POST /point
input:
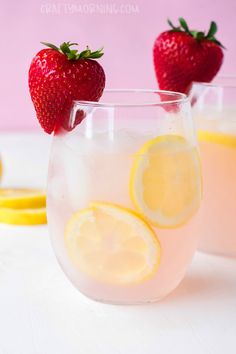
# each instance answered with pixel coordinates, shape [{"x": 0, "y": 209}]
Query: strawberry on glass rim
[
  {"x": 182, "y": 56},
  {"x": 60, "y": 75}
]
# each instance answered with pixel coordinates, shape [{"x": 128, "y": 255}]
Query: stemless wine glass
[
  {"x": 215, "y": 114},
  {"x": 123, "y": 188}
]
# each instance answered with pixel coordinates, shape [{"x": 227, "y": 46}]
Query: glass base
[
  {"x": 129, "y": 302},
  {"x": 124, "y": 303}
]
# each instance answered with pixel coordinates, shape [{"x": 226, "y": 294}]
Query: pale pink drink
[
  {"x": 215, "y": 114},
  {"x": 124, "y": 188}
]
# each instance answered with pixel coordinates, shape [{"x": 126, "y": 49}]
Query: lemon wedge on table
[
  {"x": 112, "y": 244},
  {"x": 20, "y": 198},
  {"x": 34, "y": 216},
  {"x": 20, "y": 206},
  {"x": 217, "y": 138},
  {"x": 165, "y": 181}
]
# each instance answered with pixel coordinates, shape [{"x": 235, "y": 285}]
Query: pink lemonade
[
  {"x": 122, "y": 197},
  {"x": 215, "y": 115},
  {"x": 216, "y": 221},
  {"x": 96, "y": 175}
]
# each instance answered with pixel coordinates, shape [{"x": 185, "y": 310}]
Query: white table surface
[{"x": 42, "y": 313}]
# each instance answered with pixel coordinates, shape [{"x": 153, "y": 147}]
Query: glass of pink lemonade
[
  {"x": 215, "y": 114},
  {"x": 124, "y": 188}
]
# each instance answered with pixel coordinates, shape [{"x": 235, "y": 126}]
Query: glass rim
[
  {"x": 183, "y": 98},
  {"x": 218, "y": 82}
]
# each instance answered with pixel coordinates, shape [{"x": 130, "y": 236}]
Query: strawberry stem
[
  {"x": 52, "y": 46},
  {"x": 73, "y": 54},
  {"x": 212, "y": 30},
  {"x": 176, "y": 29},
  {"x": 184, "y": 25},
  {"x": 198, "y": 35}
]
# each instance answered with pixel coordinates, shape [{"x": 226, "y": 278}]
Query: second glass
[
  {"x": 124, "y": 186},
  {"x": 215, "y": 114}
]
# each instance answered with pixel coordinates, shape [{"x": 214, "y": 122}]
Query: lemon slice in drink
[
  {"x": 217, "y": 138},
  {"x": 35, "y": 216},
  {"x": 165, "y": 181},
  {"x": 112, "y": 244},
  {"x": 20, "y": 198}
]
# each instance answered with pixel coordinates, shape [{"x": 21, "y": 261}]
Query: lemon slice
[
  {"x": 165, "y": 181},
  {"x": 20, "y": 198},
  {"x": 217, "y": 138},
  {"x": 23, "y": 216},
  {"x": 112, "y": 244}
]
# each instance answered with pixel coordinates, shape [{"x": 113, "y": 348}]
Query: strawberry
[
  {"x": 57, "y": 76},
  {"x": 182, "y": 56}
]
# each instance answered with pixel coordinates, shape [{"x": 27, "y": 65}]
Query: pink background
[{"x": 127, "y": 39}]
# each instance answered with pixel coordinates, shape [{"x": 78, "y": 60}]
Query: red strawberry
[
  {"x": 182, "y": 56},
  {"x": 57, "y": 76}
]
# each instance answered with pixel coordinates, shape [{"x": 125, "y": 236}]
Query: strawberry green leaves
[
  {"x": 73, "y": 54},
  {"x": 198, "y": 35}
]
